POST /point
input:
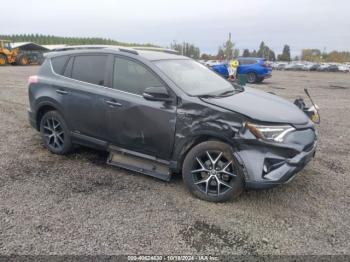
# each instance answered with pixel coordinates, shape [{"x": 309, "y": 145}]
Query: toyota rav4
[{"x": 159, "y": 114}]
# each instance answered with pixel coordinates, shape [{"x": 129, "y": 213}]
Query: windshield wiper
[
  {"x": 207, "y": 96},
  {"x": 223, "y": 94},
  {"x": 226, "y": 93}
]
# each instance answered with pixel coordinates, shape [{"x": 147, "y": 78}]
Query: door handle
[
  {"x": 113, "y": 103},
  {"x": 62, "y": 92}
]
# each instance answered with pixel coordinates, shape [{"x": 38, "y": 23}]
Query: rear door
[
  {"x": 245, "y": 66},
  {"x": 136, "y": 123},
  {"x": 86, "y": 106}
]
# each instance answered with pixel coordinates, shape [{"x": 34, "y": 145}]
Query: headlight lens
[{"x": 270, "y": 133}]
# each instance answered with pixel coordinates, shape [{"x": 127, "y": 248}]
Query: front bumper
[{"x": 269, "y": 165}]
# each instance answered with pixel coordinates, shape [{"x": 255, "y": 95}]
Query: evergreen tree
[
  {"x": 285, "y": 56},
  {"x": 246, "y": 53}
]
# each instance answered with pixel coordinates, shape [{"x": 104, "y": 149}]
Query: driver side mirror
[{"x": 157, "y": 93}]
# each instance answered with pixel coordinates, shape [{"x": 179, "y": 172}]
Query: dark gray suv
[{"x": 159, "y": 114}]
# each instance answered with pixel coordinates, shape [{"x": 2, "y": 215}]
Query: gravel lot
[{"x": 76, "y": 204}]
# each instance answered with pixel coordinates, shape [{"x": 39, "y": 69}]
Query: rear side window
[
  {"x": 132, "y": 77},
  {"x": 58, "y": 64},
  {"x": 90, "y": 68},
  {"x": 247, "y": 61},
  {"x": 252, "y": 61}
]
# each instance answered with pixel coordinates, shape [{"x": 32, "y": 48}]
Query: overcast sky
[{"x": 206, "y": 23}]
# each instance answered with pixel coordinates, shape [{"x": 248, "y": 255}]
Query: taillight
[
  {"x": 33, "y": 80},
  {"x": 266, "y": 64}
]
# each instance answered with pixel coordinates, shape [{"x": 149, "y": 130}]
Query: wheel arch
[
  {"x": 42, "y": 109},
  {"x": 194, "y": 140}
]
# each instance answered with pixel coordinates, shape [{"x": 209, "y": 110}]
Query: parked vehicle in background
[
  {"x": 314, "y": 67},
  {"x": 9, "y": 55},
  {"x": 212, "y": 62},
  {"x": 294, "y": 66},
  {"x": 223, "y": 69},
  {"x": 328, "y": 68},
  {"x": 159, "y": 114},
  {"x": 256, "y": 69},
  {"x": 344, "y": 68},
  {"x": 310, "y": 66},
  {"x": 332, "y": 68},
  {"x": 278, "y": 66}
]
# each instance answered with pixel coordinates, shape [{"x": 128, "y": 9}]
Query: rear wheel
[
  {"x": 251, "y": 78},
  {"x": 55, "y": 133},
  {"x": 3, "y": 60},
  {"x": 211, "y": 172},
  {"x": 22, "y": 60}
]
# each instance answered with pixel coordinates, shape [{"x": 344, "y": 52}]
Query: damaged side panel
[
  {"x": 264, "y": 164},
  {"x": 196, "y": 121}
]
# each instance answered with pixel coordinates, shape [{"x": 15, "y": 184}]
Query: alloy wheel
[
  {"x": 213, "y": 173},
  {"x": 251, "y": 78},
  {"x": 53, "y": 133}
]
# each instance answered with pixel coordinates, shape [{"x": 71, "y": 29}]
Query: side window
[
  {"x": 58, "y": 64},
  {"x": 252, "y": 61},
  {"x": 90, "y": 68},
  {"x": 132, "y": 77}
]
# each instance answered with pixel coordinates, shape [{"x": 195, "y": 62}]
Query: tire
[
  {"x": 3, "y": 60},
  {"x": 251, "y": 78},
  {"x": 222, "y": 179},
  {"x": 55, "y": 133},
  {"x": 260, "y": 79},
  {"x": 22, "y": 60}
]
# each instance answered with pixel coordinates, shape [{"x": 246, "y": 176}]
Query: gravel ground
[{"x": 76, "y": 204}]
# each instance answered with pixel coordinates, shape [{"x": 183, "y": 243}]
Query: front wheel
[
  {"x": 211, "y": 172},
  {"x": 3, "y": 60},
  {"x": 55, "y": 133}
]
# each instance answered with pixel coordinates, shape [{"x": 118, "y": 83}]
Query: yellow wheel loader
[{"x": 9, "y": 55}]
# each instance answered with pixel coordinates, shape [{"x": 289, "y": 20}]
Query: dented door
[
  {"x": 141, "y": 125},
  {"x": 134, "y": 122}
]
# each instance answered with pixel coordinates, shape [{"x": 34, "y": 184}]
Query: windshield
[{"x": 194, "y": 78}]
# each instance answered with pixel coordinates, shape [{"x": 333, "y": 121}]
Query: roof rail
[
  {"x": 82, "y": 47},
  {"x": 158, "y": 49},
  {"x": 132, "y": 50}
]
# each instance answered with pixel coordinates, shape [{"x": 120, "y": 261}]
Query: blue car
[{"x": 256, "y": 69}]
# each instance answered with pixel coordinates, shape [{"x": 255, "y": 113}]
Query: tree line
[
  {"x": 186, "y": 49},
  {"x": 315, "y": 55},
  {"x": 55, "y": 40}
]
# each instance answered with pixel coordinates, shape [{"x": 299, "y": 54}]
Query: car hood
[{"x": 261, "y": 106}]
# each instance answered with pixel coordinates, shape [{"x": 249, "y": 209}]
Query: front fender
[{"x": 198, "y": 123}]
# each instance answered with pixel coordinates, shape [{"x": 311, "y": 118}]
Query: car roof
[{"x": 151, "y": 55}]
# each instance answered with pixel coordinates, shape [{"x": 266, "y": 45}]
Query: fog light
[
  {"x": 265, "y": 168},
  {"x": 271, "y": 164}
]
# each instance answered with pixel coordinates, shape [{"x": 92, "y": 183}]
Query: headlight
[{"x": 269, "y": 133}]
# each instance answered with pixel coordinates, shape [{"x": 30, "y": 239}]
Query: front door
[{"x": 136, "y": 123}]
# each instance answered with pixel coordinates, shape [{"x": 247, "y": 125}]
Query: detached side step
[{"x": 140, "y": 163}]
